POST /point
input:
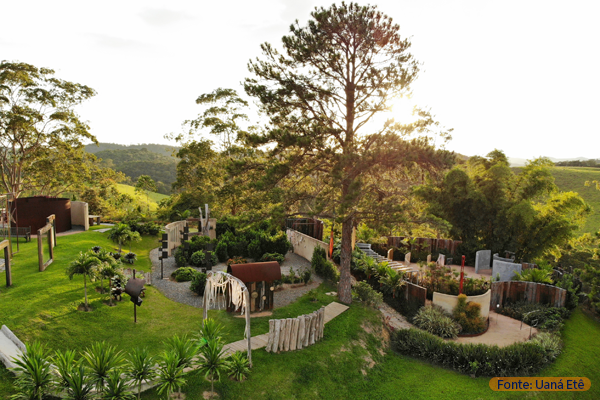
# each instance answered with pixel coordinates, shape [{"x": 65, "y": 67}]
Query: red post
[{"x": 462, "y": 274}]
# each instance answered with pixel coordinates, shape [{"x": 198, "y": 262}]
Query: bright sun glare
[{"x": 402, "y": 109}]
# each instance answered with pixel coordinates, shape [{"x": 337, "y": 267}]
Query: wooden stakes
[{"x": 295, "y": 333}]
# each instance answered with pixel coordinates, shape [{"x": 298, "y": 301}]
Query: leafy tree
[
  {"x": 491, "y": 207},
  {"x": 102, "y": 358},
  {"x": 323, "y": 96},
  {"x": 145, "y": 184},
  {"x": 107, "y": 268},
  {"x": 37, "y": 118},
  {"x": 140, "y": 367},
  {"x": 85, "y": 264},
  {"x": 35, "y": 379}
]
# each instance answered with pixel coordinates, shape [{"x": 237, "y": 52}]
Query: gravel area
[{"x": 181, "y": 293}]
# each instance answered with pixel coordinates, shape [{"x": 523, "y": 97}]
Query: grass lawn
[{"x": 352, "y": 361}]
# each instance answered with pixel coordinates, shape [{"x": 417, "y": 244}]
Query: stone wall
[
  {"x": 504, "y": 270},
  {"x": 80, "y": 214},
  {"x": 483, "y": 259},
  {"x": 448, "y": 301},
  {"x": 304, "y": 245}
]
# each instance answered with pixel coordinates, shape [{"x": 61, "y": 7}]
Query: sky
[{"x": 519, "y": 76}]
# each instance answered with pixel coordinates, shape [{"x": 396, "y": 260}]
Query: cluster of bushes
[
  {"x": 434, "y": 320},
  {"x": 539, "y": 315},
  {"x": 367, "y": 294},
  {"x": 114, "y": 374},
  {"x": 198, "y": 283},
  {"x": 148, "y": 228},
  {"x": 468, "y": 315},
  {"x": 198, "y": 253},
  {"x": 252, "y": 243},
  {"x": 291, "y": 277},
  {"x": 443, "y": 279},
  {"x": 519, "y": 359},
  {"x": 322, "y": 266},
  {"x": 183, "y": 274}
]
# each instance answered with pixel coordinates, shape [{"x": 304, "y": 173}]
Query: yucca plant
[
  {"x": 238, "y": 366},
  {"x": 85, "y": 264},
  {"x": 80, "y": 386},
  {"x": 102, "y": 358},
  {"x": 65, "y": 363},
  {"x": 210, "y": 330},
  {"x": 184, "y": 348},
  {"x": 140, "y": 367},
  {"x": 116, "y": 388},
  {"x": 170, "y": 374},
  {"x": 35, "y": 380},
  {"x": 212, "y": 361}
]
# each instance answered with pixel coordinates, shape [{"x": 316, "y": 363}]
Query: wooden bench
[{"x": 93, "y": 218}]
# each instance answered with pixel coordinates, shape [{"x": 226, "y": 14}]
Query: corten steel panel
[
  {"x": 33, "y": 211},
  {"x": 255, "y": 272}
]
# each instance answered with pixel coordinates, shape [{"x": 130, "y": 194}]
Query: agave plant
[
  {"x": 140, "y": 367},
  {"x": 35, "y": 380},
  {"x": 80, "y": 386},
  {"x": 65, "y": 363},
  {"x": 238, "y": 366},
  {"x": 170, "y": 373},
  {"x": 102, "y": 358}
]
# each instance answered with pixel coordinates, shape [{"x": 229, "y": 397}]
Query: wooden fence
[
  {"x": 414, "y": 295},
  {"x": 530, "y": 292},
  {"x": 425, "y": 244},
  {"x": 295, "y": 333}
]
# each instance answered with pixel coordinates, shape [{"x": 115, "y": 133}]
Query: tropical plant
[
  {"x": 116, "y": 388},
  {"x": 80, "y": 386},
  {"x": 170, "y": 373},
  {"x": 539, "y": 275},
  {"x": 392, "y": 282},
  {"x": 366, "y": 293},
  {"x": 434, "y": 320},
  {"x": 184, "y": 348},
  {"x": 35, "y": 379},
  {"x": 85, "y": 264},
  {"x": 212, "y": 361},
  {"x": 140, "y": 367},
  {"x": 238, "y": 366},
  {"x": 210, "y": 330},
  {"x": 198, "y": 283},
  {"x": 120, "y": 234},
  {"x": 130, "y": 257},
  {"x": 107, "y": 269},
  {"x": 64, "y": 362},
  {"x": 468, "y": 315},
  {"x": 101, "y": 359},
  {"x": 132, "y": 237}
]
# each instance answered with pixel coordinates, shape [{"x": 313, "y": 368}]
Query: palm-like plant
[
  {"x": 539, "y": 275},
  {"x": 140, "y": 367},
  {"x": 238, "y": 366},
  {"x": 184, "y": 348},
  {"x": 210, "y": 330},
  {"x": 65, "y": 363},
  {"x": 108, "y": 268},
  {"x": 35, "y": 381},
  {"x": 119, "y": 234},
  {"x": 369, "y": 266},
  {"x": 212, "y": 361},
  {"x": 392, "y": 282},
  {"x": 85, "y": 264},
  {"x": 80, "y": 386},
  {"x": 102, "y": 358},
  {"x": 170, "y": 374},
  {"x": 116, "y": 388},
  {"x": 132, "y": 237}
]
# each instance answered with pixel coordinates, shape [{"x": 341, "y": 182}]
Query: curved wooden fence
[{"x": 530, "y": 292}]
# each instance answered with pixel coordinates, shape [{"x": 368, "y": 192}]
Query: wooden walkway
[{"x": 332, "y": 310}]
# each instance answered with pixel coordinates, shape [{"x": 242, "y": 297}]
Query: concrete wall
[
  {"x": 173, "y": 230},
  {"x": 80, "y": 214},
  {"x": 482, "y": 260},
  {"x": 506, "y": 270},
  {"x": 304, "y": 245},
  {"x": 448, "y": 301}
]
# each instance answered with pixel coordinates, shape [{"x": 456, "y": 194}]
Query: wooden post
[
  {"x": 248, "y": 333},
  {"x": 275, "y": 346},
  {"x": 6, "y": 246},
  {"x": 281, "y": 334},
  {"x": 40, "y": 250},
  {"x": 301, "y": 331},
  {"x": 288, "y": 332},
  {"x": 271, "y": 335},
  {"x": 294, "y": 335}
]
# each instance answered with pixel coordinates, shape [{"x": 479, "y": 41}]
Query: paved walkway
[{"x": 503, "y": 331}]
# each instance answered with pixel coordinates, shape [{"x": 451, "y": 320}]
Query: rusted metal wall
[
  {"x": 415, "y": 295},
  {"x": 425, "y": 244},
  {"x": 32, "y": 211},
  {"x": 530, "y": 292},
  {"x": 309, "y": 226}
]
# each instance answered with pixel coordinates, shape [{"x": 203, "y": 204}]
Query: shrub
[
  {"x": 238, "y": 366},
  {"x": 468, "y": 315},
  {"x": 306, "y": 275},
  {"x": 519, "y": 359},
  {"x": 221, "y": 251},
  {"x": 96, "y": 249},
  {"x": 236, "y": 260},
  {"x": 197, "y": 259},
  {"x": 254, "y": 250},
  {"x": 198, "y": 283},
  {"x": 116, "y": 255},
  {"x": 551, "y": 344},
  {"x": 130, "y": 257},
  {"x": 434, "y": 320},
  {"x": 367, "y": 294},
  {"x": 180, "y": 259},
  {"x": 273, "y": 257},
  {"x": 539, "y": 315},
  {"x": 184, "y": 274}
]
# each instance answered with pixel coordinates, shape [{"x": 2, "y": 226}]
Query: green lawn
[
  {"x": 153, "y": 198},
  {"x": 352, "y": 361}
]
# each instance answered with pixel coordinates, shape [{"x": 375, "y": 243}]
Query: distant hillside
[
  {"x": 153, "y": 198},
  {"x": 134, "y": 162},
  {"x": 162, "y": 149},
  {"x": 573, "y": 179},
  {"x": 521, "y": 162}
]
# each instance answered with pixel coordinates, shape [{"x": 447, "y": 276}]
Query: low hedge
[
  {"x": 184, "y": 274},
  {"x": 519, "y": 359}
]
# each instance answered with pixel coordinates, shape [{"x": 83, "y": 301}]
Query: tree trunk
[{"x": 345, "y": 285}]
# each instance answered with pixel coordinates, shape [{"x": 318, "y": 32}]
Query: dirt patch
[
  {"x": 81, "y": 307},
  {"x": 107, "y": 303},
  {"x": 210, "y": 395},
  {"x": 178, "y": 396}
]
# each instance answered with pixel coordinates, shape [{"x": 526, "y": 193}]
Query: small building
[{"x": 259, "y": 278}]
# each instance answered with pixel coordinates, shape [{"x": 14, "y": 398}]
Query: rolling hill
[{"x": 573, "y": 179}]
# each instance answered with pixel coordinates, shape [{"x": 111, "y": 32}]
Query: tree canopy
[
  {"x": 38, "y": 122},
  {"x": 322, "y": 94}
]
